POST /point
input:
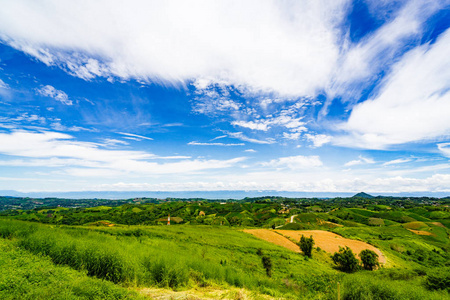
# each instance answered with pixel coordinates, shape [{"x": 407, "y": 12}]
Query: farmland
[{"x": 220, "y": 250}]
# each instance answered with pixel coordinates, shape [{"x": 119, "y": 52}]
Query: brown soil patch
[
  {"x": 327, "y": 241},
  {"x": 420, "y": 232},
  {"x": 274, "y": 238},
  {"x": 323, "y": 222},
  {"x": 330, "y": 242},
  {"x": 207, "y": 293},
  {"x": 438, "y": 224}
]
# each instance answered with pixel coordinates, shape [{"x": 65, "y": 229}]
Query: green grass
[
  {"x": 183, "y": 257},
  {"x": 27, "y": 276}
]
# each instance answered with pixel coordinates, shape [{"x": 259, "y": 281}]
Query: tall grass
[
  {"x": 133, "y": 259},
  {"x": 27, "y": 276}
]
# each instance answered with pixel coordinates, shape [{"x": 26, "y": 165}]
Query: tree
[
  {"x": 345, "y": 260},
  {"x": 306, "y": 244},
  {"x": 267, "y": 263},
  {"x": 369, "y": 259}
]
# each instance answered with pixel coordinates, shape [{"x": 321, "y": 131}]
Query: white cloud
[
  {"x": 50, "y": 91},
  {"x": 194, "y": 143},
  {"x": 318, "y": 140},
  {"x": 291, "y": 136},
  {"x": 397, "y": 161},
  {"x": 412, "y": 105},
  {"x": 242, "y": 137},
  {"x": 250, "y": 150},
  {"x": 444, "y": 148},
  {"x": 286, "y": 47},
  {"x": 114, "y": 142},
  {"x": 135, "y": 136},
  {"x": 56, "y": 149},
  {"x": 264, "y": 126},
  {"x": 435, "y": 183},
  {"x": 360, "y": 161},
  {"x": 295, "y": 162},
  {"x": 3, "y": 85}
]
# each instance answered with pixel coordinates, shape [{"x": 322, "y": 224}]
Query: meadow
[{"x": 105, "y": 260}]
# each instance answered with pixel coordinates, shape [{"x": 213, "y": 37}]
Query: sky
[{"x": 301, "y": 96}]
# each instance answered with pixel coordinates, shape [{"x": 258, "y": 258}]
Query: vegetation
[
  {"x": 117, "y": 250},
  {"x": 306, "y": 245},
  {"x": 369, "y": 259},
  {"x": 346, "y": 260}
]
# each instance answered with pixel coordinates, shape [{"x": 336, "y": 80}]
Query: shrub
[
  {"x": 345, "y": 260},
  {"x": 306, "y": 244},
  {"x": 369, "y": 259},
  {"x": 267, "y": 263},
  {"x": 438, "y": 279}
]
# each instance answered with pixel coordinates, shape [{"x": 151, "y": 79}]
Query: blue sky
[{"x": 310, "y": 96}]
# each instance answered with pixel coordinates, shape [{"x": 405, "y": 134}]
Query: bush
[
  {"x": 267, "y": 263},
  {"x": 345, "y": 260},
  {"x": 306, "y": 244},
  {"x": 438, "y": 279},
  {"x": 369, "y": 259}
]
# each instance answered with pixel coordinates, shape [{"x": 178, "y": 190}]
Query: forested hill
[{"x": 261, "y": 212}]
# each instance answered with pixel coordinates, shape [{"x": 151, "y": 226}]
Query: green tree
[
  {"x": 306, "y": 244},
  {"x": 345, "y": 260},
  {"x": 369, "y": 259}
]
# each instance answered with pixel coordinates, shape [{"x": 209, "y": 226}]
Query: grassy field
[{"x": 125, "y": 261}]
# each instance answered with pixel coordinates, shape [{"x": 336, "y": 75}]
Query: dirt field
[
  {"x": 438, "y": 224},
  {"x": 327, "y": 241},
  {"x": 420, "y": 232},
  {"x": 273, "y": 237},
  {"x": 330, "y": 242}
]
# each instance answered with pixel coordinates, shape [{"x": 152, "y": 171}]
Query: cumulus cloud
[
  {"x": 435, "y": 183},
  {"x": 318, "y": 140},
  {"x": 412, "y": 105},
  {"x": 295, "y": 162},
  {"x": 286, "y": 47},
  {"x": 58, "y": 95}
]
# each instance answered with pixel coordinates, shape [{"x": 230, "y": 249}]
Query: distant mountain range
[{"x": 201, "y": 194}]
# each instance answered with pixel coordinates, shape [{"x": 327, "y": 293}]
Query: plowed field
[
  {"x": 420, "y": 232},
  {"x": 326, "y": 240},
  {"x": 273, "y": 238}
]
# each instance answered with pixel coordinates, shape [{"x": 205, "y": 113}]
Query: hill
[{"x": 363, "y": 195}]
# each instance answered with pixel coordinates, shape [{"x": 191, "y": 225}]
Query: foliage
[
  {"x": 369, "y": 259},
  {"x": 267, "y": 263},
  {"x": 306, "y": 244},
  {"x": 345, "y": 260},
  {"x": 438, "y": 279},
  {"x": 27, "y": 276}
]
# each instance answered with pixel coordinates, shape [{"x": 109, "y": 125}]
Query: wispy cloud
[
  {"x": 295, "y": 162},
  {"x": 360, "y": 161},
  {"x": 243, "y": 137},
  {"x": 279, "y": 49},
  {"x": 135, "y": 137},
  {"x": 412, "y": 105},
  {"x": 194, "y": 143},
  {"x": 397, "y": 161},
  {"x": 52, "y": 149}
]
